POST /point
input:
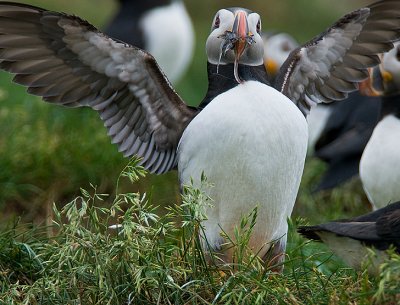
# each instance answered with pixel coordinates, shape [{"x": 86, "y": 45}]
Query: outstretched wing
[
  {"x": 388, "y": 226},
  {"x": 67, "y": 61},
  {"x": 331, "y": 65},
  {"x": 364, "y": 231}
]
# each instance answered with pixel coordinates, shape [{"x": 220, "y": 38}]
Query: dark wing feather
[
  {"x": 331, "y": 65},
  {"x": 380, "y": 229},
  {"x": 388, "y": 226},
  {"x": 364, "y": 231},
  {"x": 67, "y": 61},
  {"x": 375, "y": 215}
]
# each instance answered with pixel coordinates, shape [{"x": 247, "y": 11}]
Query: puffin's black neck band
[
  {"x": 224, "y": 80},
  {"x": 391, "y": 105}
]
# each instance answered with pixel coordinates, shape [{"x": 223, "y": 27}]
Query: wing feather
[
  {"x": 331, "y": 65},
  {"x": 67, "y": 61}
]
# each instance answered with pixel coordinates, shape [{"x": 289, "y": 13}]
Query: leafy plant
[{"x": 127, "y": 254}]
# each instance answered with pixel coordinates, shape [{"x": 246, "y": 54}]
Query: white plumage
[
  {"x": 317, "y": 119},
  {"x": 380, "y": 166},
  {"x": 380, "y": 162},
  {"x": 262, "y": 135},
  {"x": 171, "y": 46}
]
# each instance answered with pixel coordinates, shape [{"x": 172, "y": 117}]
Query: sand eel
[{"x": 247, "y": 137}]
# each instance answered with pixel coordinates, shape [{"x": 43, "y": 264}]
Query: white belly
[
  {"x": 380, "y": 163},
  {"x": 251, "y": 143},
  {"x": 171, "y": 45},
  {"x": 317, "y": 120}
]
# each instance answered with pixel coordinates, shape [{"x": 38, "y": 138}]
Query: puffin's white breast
[
  {"x": 251, "y": 143},
  {"x": 380, "y": 163},
  {"x": 317, "y": 120}
]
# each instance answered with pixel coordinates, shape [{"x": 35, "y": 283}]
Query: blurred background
[{"x": 47, "y": 153}]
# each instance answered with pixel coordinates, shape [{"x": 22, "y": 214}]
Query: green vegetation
[
  {"x": 127, "y": 254},
  {"x": 71, "y": 256}
]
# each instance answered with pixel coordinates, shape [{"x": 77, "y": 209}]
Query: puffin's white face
[
  {"x": 235, "y": 38},
  {"x": 390, "y": 67},
  {"x": 277, "y": 48},
  {"x": 385, "y": 78}
]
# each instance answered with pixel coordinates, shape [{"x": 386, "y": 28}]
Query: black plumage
[
  {"x": 379, "y": 229},
  {"x": 220, "y": 79},
  {"x": 346, "y": 133},
  {"x": 125, "y": 25}
]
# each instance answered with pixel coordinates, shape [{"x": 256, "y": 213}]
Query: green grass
[
  {"x": 152, "y": 259},
  {"x": 48, "y": 153}
]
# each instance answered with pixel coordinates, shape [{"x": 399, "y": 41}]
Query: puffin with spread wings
[{"x": 248, "y": 137}]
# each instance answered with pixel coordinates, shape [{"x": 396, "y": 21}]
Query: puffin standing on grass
[
  {"x": 247, "y": 137},
  {"x": 380, "y": 161},
  {"x": 161, "y": 27}
]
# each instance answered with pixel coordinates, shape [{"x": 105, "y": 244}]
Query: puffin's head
[
  {"x": 385, "y": 78},
  {"x": 235, "y": 38},
  {"x": 277, "y": 47},
  {"x": 390, "y": 70}
]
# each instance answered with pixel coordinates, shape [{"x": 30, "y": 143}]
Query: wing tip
[{"x": 309, "y": 232}]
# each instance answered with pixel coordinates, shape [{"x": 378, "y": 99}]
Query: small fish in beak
[{"x": 238, "y": 40}]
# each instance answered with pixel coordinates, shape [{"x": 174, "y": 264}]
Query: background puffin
[
  {"x": 337, "y": 132},
  {"x": 380, "y": 162},
  {"x": 350, "y": 238},
  {"x": 346, "y": 129},
  {"x": 161, "y": 27},
  {"x": 247, "y": 137},
  {"x": 277, "y": 47}
]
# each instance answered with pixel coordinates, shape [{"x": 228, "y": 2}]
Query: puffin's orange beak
[
  {"x": 374, "y": 84},
  {"x": 241, "y": 29},
  {"x": 271, "y": 66}
]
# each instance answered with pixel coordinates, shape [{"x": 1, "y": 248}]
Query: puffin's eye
[
  {"x": 285, "y": 46},
  {"x": 398, "y": 54},
  {"x": 217, "y": 22},
  {"x": 258, "y": 28}
]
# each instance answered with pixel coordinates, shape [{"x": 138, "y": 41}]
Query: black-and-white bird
[
  {"x": 337, "y": 132},
  {"x": 161, "y": 27},
  {"x": 350, "y": 238},
  {"x": 380, "y": 162},
  {"x": 247, "y": 137},
  {"x": 345, "y": 133}
]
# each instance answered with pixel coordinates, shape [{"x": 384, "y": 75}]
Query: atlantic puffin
[
  {"x": 247, "y": 137},
  {"x": 346, "y": 131},
  {"x": 161, "y": 27},
  {"x": 351, "y": 239},
  {"x": 380, "y": 161}
]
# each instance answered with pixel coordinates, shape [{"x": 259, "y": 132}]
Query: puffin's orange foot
[{"x": 275, "y": 257}]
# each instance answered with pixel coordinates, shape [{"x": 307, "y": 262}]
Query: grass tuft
[{"x": 127, "y": 254}]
